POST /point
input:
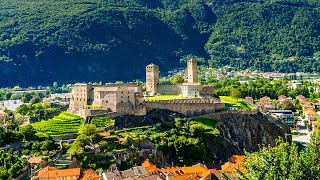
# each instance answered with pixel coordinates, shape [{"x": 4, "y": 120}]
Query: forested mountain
[{"x": 42, "y": 41}]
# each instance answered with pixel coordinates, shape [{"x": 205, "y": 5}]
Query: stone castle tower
[
  {"x": 152, "y": 79},
  {"x": 192, "y": 71}
]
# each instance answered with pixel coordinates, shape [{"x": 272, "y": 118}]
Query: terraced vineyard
[
  {"x": 63, "y": 124},
  {"x": 102, "y": 122}
]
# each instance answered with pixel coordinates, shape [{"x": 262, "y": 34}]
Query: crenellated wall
[{"x": 188, "y": 107}]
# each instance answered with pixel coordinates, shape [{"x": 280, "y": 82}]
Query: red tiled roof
[
  {"x": 35, "y": 160},
  {"x": 150, "y": 167},
  {"x": 235, "y": 162},
  {"x": 51, "y": 172},
  {"x": 105, "y": 134},
  {"x": 89, "y": 174}
]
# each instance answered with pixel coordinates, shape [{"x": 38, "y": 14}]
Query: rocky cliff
[
  {"x": 239, "y": 131},
  {"x": 153, "y": 117}
]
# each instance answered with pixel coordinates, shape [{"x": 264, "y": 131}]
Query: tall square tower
[
  {"x": 152, "y": 79},
  {"x": 192, "y": 71}
]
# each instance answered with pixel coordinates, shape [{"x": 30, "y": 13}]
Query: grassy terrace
[
  {"x": 102, "y": 122},
  {"x": 240, "y": 103},
  {"x": 63, "y": 124},
  {"x": 166, "y": 97}
]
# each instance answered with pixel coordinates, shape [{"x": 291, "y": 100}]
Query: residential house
[
  {"x": 195, "y": 172},
  {"x": 150, "y": 167},
  {"x": 249, "y": 100},
  {"x": 235, "y": 162},
  {"x": 301, "y": 97},
  {"x": 12, "y": 104},
  {"x": 310, "y": 114},
  {"x": 39, "y": 91},
  {"x": 281, "y": 98},
  {"x": 134, "y": 173},
  {"x": 89, "y": 174},
  {"x": 296, "y": 85},
  {"x": 265, "y": 100},
  {"x": 265, "y": 104},
  {"x": 64, "y": 97},
  {"x": 51, "y": 173}
]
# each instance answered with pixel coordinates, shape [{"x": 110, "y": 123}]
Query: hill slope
[{"x": 42, "y": 41}]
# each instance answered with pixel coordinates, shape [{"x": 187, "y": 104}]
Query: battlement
[{"x": 185, "y": 101}]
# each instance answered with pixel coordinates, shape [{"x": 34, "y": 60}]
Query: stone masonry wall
[
  {"x": 187, "y": 107},
  {"x": 171, "y": 89}
]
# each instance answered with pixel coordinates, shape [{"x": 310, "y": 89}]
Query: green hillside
[{"x": 42, "y": 41}]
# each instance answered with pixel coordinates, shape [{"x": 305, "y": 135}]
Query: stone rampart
[{"x": 188, "y": 107}]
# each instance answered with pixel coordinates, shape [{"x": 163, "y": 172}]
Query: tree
[
  {"x": 27, "y": 132},
  {"x": 235, "y": 93},
  {"x": 311, "y": 159},
  {"x": 55, "y": 86},
  {"x": 287, "y": 105},
  {"x": 3, "y": 173},
  {"x": 22, "y": 109},
  {"x": 79, "y": 144},
  {"x": 281, "y": 162},
  {"x": 177, "y": 79},
  {"x": 35, "y": 99},
  {"x": 88, "y": 130}
]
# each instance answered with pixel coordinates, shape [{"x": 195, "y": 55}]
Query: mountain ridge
[{"x": 97, "y": 40}]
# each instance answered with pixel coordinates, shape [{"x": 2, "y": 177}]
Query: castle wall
[
  {"x": 169, "y": 89},
  {"x": 139, "y": 110},
  {"x": 188, "y": 107},
  {"x": 82, "y": 95}
]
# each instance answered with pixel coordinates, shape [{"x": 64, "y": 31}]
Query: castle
[
  {"x": 192, "y": 88},
  {"x": 118, "y": 99},
  {"x": 125, "y": 98}
]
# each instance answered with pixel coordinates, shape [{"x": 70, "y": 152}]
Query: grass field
[
  {"x": 236, "y": 103},
  {"x": 63, "y": 124},
  {"x": 207, "y": 124},
  {"x": 166, "y": 97}
]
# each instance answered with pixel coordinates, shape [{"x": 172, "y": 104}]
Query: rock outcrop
[
  {"x": 241, "y": 131},
  {"x": 153, "y": 117}
]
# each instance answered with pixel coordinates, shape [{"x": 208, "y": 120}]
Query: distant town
[{"x": 133, "y": 130}]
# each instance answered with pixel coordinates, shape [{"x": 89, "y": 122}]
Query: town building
[
  {"x": 310, "y": 114},
  {"x": 286, "y": 116},
  {"x": 265, "y": 104},
  {"x": 89, "y": 174},
  {"x": 134, "y": 173},
  {"x": 195, "y": 172},
  {"x": 38, "y": 91},
  {"x": 49, "y": 173},
  {"x": 234, "y": 162},
  {"x": 63, "y": 97},
  {"x": 11, "y": 104}
]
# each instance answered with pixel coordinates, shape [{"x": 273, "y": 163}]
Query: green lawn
[
  {"x": 166, "y": 97},
  {"x": 207, "y": 124},
  {"x": 240, "y": 103}
]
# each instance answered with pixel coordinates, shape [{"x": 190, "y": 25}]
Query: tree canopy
[{"x": 97, "y": 37}]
